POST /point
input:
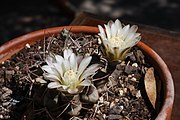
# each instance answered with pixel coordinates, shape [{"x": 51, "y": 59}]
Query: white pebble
[
  {"x": 122, "y": 107},
  {"x": 121, "y": 92},
  {"x": 133, "y": 79},
  {"x": 104, "y": 116},
  {"x": 116, "y": 100},
  {"x": 123, "y": 63},
  {"x": 98, "y": 111},
  {"x": 138, "y": 94},
  {"x": 17, "y": 67},
  {"x": 101, "y": 99},
  {"x": 125, "y": 90},
  {"x": 40, "y": 80},
  {"x": 6, "y": 103},
  {"x": 27, "y": 45},
  {"x": 1, "y": 116},
  {"x": 129, "y": 76},
  {"x": 135, "y": 65},
  {"x": 39, "y": 47},
  {"x": 32, "y": 80},
  {"x": 99, "y": 41}
]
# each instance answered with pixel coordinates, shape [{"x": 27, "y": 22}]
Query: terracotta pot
[{"x": 15, "y": 45}]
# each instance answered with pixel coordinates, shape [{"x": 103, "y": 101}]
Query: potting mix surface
[{"x": 121, "y": 88}]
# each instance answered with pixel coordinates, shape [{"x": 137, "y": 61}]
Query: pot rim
[{"x": 15, "y": 45}]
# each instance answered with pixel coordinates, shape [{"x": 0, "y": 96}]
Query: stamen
[{"x": 116, "y": 41}]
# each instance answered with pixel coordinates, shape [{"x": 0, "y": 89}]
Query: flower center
[
  {"x": 116, "y": 41},
  {"x": 70, "y": 78}
]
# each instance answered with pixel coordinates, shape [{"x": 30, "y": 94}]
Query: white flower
[
  {"x": 69, "y": 73},
  {"x": 118, "y": 39}
]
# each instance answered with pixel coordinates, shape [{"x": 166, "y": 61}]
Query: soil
[{"x": 121, "y": 88}]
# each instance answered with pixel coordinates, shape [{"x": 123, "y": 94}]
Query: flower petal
[
  {"x": 130, "y": 37},
  {"x": 59, "y": 59},
  {"x": 64, "y": 87},
  {"x": 108, "y": 31},
  {"x": 114, "y": 30},
  {"x": 73, "y": 62},
  {"x": 66, "y": 65},
  {"x": 137, "y": 35},
  {"x": 48, "y": 69},
  {"x": 51, "y": 77},
  {"x": 119, "y": 33},
  {"x": 85, "y": 83},
  {"x": 89, "y": 71},
  {"x": 79, "y": 59},
  {"x": 125, "y": 31},
  {"x": 49, "y": 60},
  {"x": 59, "y": 69},
  {"x": 133, "y": 29},
  {"x": 110, "y": 23},
  {"x": 67, "y": 53},
  {"x": 102, "y": 33},
  {"x": 118, "y": 24},
  {"x": 72, "y": 90},
  {"x": 52, "y": 85},
  {"x": 84, "y": 63}
]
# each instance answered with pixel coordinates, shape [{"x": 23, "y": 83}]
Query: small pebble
[
  {"x": 126, "y": 79},
  {"x": 133, "y": 79},
  {"x": 101, "y": 99},
  {"x": 124, "y": 113},
  {"x": 39, "y": 47},
  {"x": 6, "y": 104},
  {"x": 6, "y": 117},
  {"x": 27, "y": 45},
  {"x": 99, "y": 41},
  {"x": 125, "y": 90},
  {"x": 116, "y": 100},
  {"x": 1, "y": 116},
  {"x": 40, "y": 80},
  {"x": 98, "y": 112},
  {"x": 138, "y": 94},
  {"x": 129, "y": 76},
  {"x": 116, "y": 110},
  {"x": 135, "y": 65},
  {"x": 122, "y": 107},
  {"x": 17, "y": 67},
  {"x": 104, "y": 116},
  {"x": 123, "y": 63},
  {"x": 131, "y": 87},
  {"x": 121, "y": 92}
]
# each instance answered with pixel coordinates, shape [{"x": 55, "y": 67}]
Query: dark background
[{"x": 18, "y": 17}]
